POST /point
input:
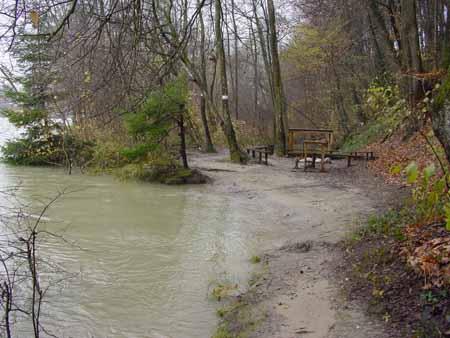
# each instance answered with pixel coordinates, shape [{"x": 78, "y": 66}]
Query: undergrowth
[
  {"x": 400, "y": 260},
  {"x": 384, "y": 109}
]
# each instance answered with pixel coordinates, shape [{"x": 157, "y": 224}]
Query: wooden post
[{"x": 290, "y": 141}]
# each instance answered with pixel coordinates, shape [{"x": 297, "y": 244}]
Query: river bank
[{"x": 294, "y": 291}]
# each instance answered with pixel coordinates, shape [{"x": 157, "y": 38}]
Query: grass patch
[
  {"x": 223, "y": 332},
  {"x": 255, "y": 259},
  {"x": 223, "y": 290},
  {"x": 389, "y": 224},
  {"x": 242, "y": 314},
  {"x": 239, "y": 319}
]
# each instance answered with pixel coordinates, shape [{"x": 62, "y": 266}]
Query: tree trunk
[
  {"x": 182, "y": 133},
  {"x": 236, "y": 154},
  {"x": 379, "y": 24},
  {"x": 209, "y": 146},
  {"x": 411, "y": 55},
  {"x": 236, "y": 61},
  {"x": 339, "y": 99},
  {"x": 279, "y": 99},
  {"x": 441, "y": 117},
  {"x": 254, "y": 48},
  {"x": 266, "y": 59},
  {"x": 380, "y": 60}
]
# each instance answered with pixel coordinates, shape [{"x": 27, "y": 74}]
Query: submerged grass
[{"x": 242, "y": 314}]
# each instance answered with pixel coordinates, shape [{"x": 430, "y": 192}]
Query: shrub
[
  {"x": 430, "y": 196},
  {"x": 385, "y": 111}
]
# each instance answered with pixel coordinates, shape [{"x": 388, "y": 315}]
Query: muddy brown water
[{"x": 145, "y": 256}]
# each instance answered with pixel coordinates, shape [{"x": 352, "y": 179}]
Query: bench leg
[
  {"x": 253, "y": 154},
  {"x": 314, "y": 161},
  {"x": 322, "y": 163},
  {"x": 267, "y": 158},
  {"x": 349, "y": 161},
  {"x": 306, "y": 160},
  {"x": 260, "y": 157}
]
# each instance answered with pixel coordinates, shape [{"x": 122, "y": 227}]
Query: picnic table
[
  {"x": 309, "y": 144},
  {"x": 261, "y": 150},
  {"x": 306, "y": 144}
]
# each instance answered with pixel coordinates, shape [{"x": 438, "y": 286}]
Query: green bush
[
  {"x": 366, "y": 135},
  {"x": 107, "y": 154},
  {"x": 385, "y": 111},
  {"x": 430, "y": 197},
  {"x": 35, "y": 152}
]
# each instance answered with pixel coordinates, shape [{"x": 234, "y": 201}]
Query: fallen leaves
[
  {"x": 427, "y": 250},
  {"x": 397, "y": 153}
]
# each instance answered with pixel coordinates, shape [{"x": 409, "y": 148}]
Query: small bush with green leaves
[
  {"x": 384, "y": 109},
  {"x": 430, "y": 197}
]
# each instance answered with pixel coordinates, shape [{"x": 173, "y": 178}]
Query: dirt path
[{"x": 298, "y": 295}]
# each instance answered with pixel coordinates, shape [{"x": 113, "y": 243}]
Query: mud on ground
[{"x": 295, "y": 293}]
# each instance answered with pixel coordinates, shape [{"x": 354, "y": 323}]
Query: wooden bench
[
  {"x": 260, "y": 151},
  {"x": 360, "y": 155},
  {"x": 349, "y": 157},
  {"x": 303, "y": 143}
]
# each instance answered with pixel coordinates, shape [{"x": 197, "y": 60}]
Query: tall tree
[
  {"x": 410, "y": 52},
  {"x": 209, "y": 146},
  {"x": 278, "y": 97},
  {"x": 236, "y": 154}
]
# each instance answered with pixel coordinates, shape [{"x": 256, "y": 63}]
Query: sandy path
[{"x": 299, "y": 295}]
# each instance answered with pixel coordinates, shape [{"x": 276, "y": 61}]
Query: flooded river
[{"x": 145, "y": 255}]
